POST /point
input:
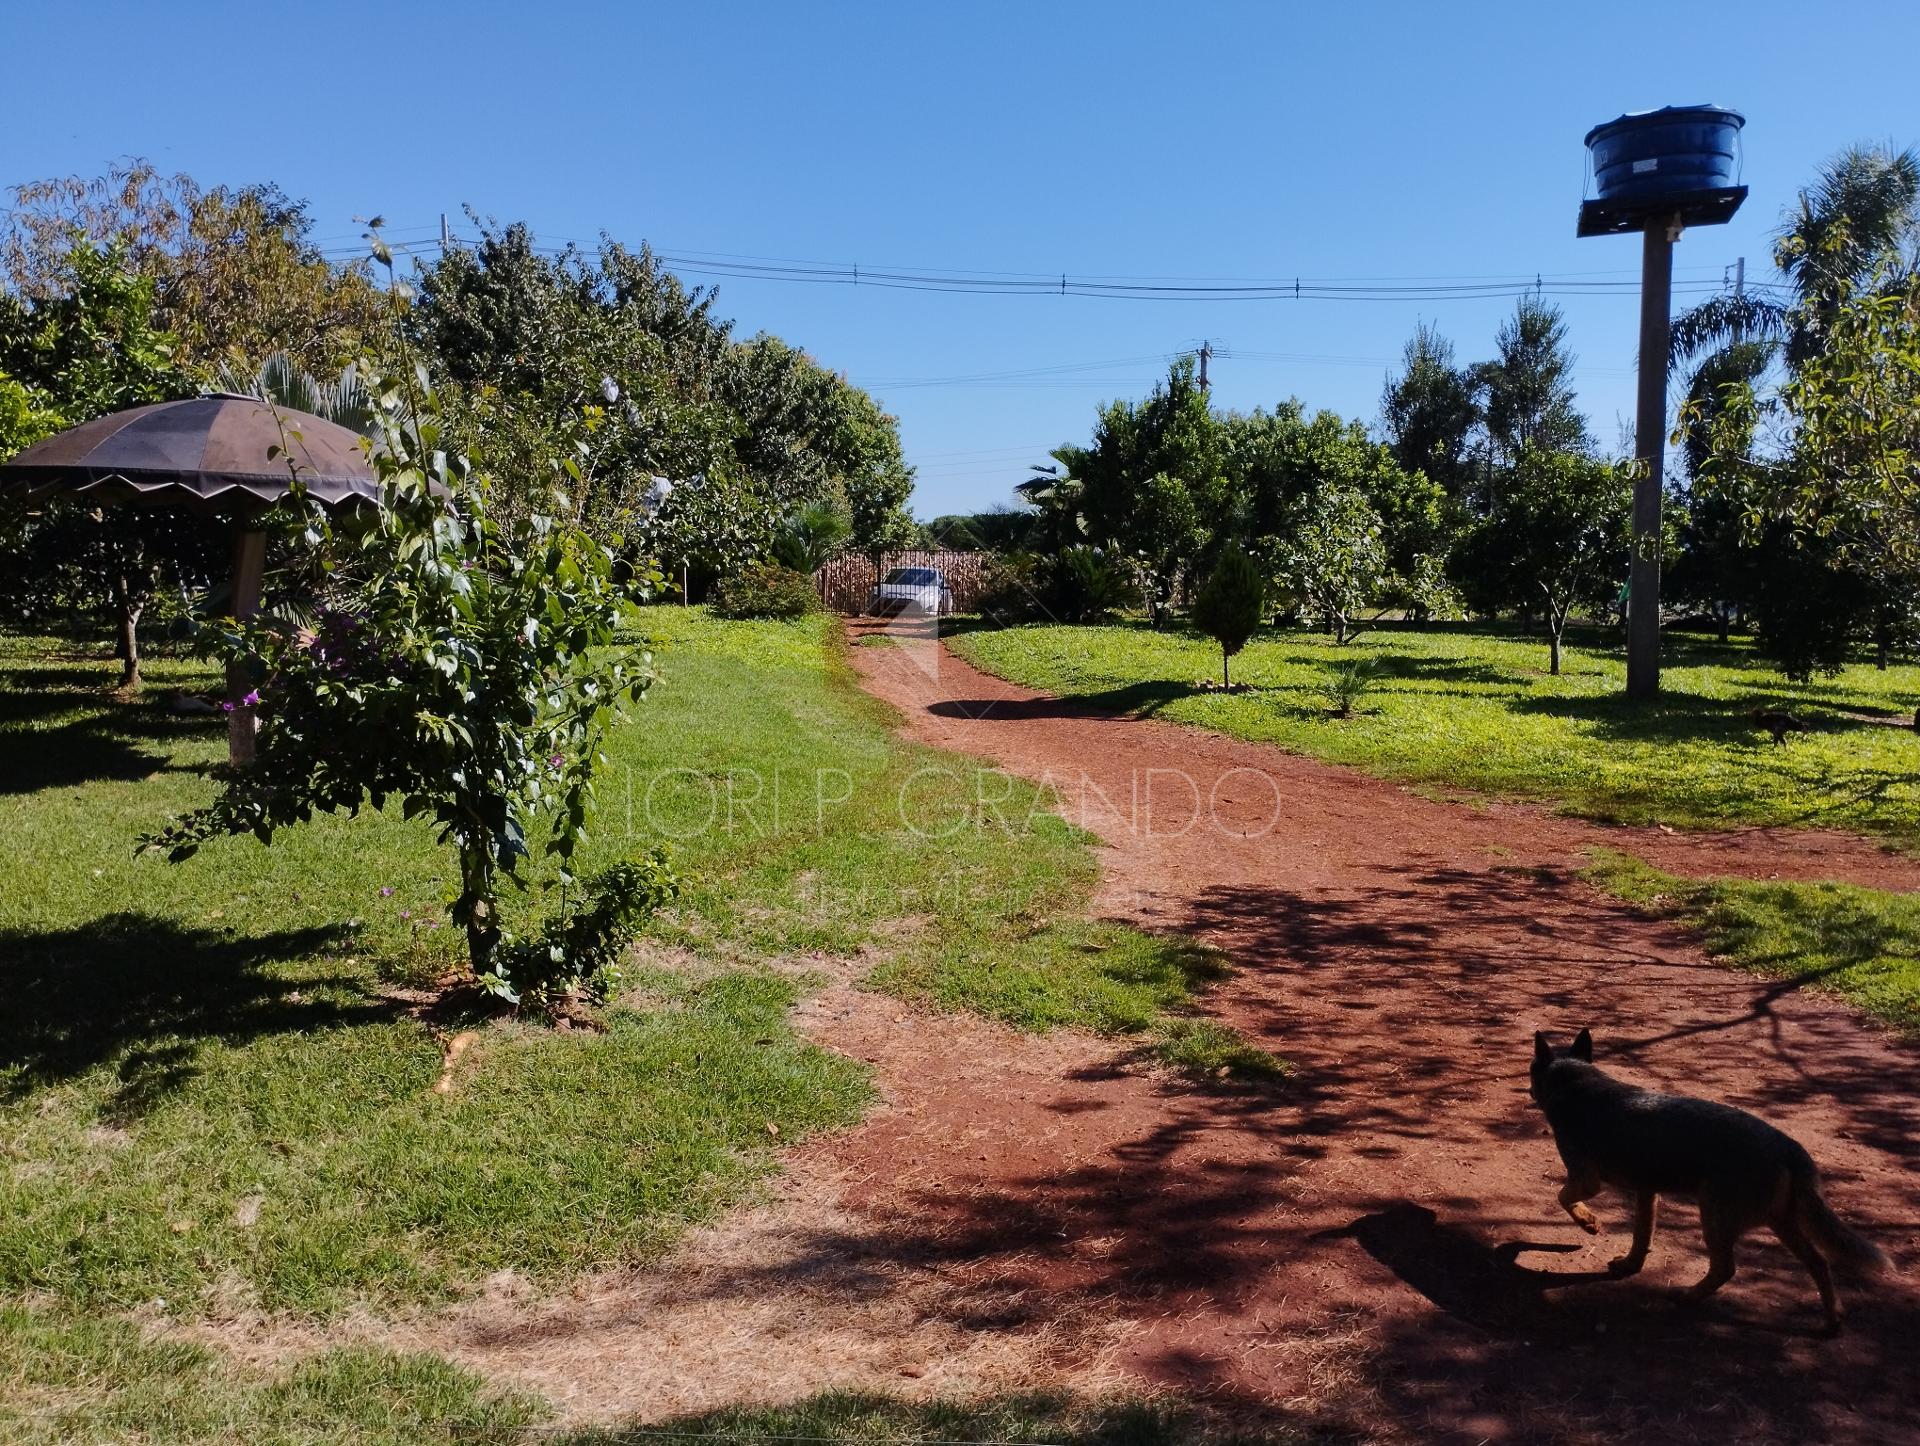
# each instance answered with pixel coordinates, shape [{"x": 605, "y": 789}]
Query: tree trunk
[
  {"x": 1882, "y": 645},
  {"x": 1225, "y": 681},
  {"x": 478, "y": 909},
  {"x": 1553, "y": 650},
  {"x": 1726, "y": 624},
  {"x": 127, "y": 638}
]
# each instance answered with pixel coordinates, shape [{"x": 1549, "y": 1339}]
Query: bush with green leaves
[
  {"x": 1350, "y": 680},
  {"x": 1230, "y": 604},
  {"x": 765, "y": 590},
  {"x": 1086, "y": 585},
  {"x": 579, "y": 950},
  {"x": 460, "y": 663},
  {"x": 1011, "y": 586},
  {"x": 810, "y": 536}
]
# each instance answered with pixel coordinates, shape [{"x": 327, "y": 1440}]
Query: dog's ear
[
  {"x": 1583, "y": 1046},
  {"x": 1542, "y": 1051}
]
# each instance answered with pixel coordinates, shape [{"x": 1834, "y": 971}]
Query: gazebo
[{"x": 220, "y": 453}]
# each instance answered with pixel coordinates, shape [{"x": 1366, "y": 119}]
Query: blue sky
[{"x": 1203, "y": 140}]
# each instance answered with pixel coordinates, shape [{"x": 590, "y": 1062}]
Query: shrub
[
  {"x": 811, "y": 536},
  {"x": 1084, "y": 585},
  {"x": 579, "y": 950},
  {"x": 1010, "y": 588},
  {"x": 765, "y": 590},
  {"x": 1350, "y": 681}
]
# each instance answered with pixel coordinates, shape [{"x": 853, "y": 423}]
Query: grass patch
[
  {"x": 52, "y": 1368},
  {"x": 1208, "y": 1047},
  {"x": 210, "y": 1091},
  {"x": 1862, "y": 944},
  {"x": 1454, "y": 706},
  {"x": 873, "y": 1420}
]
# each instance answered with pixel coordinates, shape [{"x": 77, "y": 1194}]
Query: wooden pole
[
  {"x": 249, "y": 567},
  {"x": 1650, "y": 440}
]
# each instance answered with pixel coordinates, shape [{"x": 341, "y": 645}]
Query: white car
[{"x": 911, "y": 589}]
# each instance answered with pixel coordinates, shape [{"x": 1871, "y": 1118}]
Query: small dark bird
[{"x": 1778, "y": 723}]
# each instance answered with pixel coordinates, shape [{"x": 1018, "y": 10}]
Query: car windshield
[{"x": 915, "y": 576}]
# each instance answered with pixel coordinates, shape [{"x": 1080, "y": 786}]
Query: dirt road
[{"x": 1374, "y": 1246}]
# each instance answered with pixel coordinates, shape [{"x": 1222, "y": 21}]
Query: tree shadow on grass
[
  {"x": 88, "y": 751},
  {"x": 1405, "y": 668},
  {"x": 102, "y": 738},
  {"x": 1679, "y": 719},
  {"x": 147, "y": 992},
  {"x": 1019, "y": 1416}
]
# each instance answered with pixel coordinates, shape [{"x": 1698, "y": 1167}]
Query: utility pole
[
  {"x": 1649, "y": 447},
  {"x": 446, "y": 236},
  {"x": 1739, "y": 295},
  {"x": 1206, "y": 354},
  {"x": 1657, "y": 172}
]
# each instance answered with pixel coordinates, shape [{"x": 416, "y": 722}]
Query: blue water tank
[{"x": 1675, "y": 149}]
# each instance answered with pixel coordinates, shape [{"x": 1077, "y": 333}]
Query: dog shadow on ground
[{"x": 1484, "y": 1285}]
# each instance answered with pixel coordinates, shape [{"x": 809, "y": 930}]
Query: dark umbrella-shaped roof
[{"x": 217, "y": 450}]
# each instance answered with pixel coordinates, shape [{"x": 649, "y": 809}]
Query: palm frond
[{"x": 1720, "y": 321}]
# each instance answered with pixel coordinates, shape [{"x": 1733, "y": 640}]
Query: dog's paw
[
  {"x": 1587, "y": 1221},
  {"x": 1624, "y": 1265}
]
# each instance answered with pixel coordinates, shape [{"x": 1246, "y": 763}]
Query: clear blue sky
[{"x": 1230, "y": 140}]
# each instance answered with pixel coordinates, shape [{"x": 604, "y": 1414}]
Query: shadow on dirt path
[{"x": 1376, "y": 1240}]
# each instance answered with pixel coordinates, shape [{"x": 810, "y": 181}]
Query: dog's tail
[{"x": 1832, "y": 1236}]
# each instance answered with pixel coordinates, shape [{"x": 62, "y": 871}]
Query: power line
[{"x": 1005, "y": 283}]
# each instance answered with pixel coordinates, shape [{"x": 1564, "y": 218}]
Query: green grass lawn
[
  {"x": 1862, "y": 944},
  {"x": 1457, "y": 707},
  {"x": 217, "y": 1077}
]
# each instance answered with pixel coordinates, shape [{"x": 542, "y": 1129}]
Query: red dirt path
[{"x": 1373, "y": 1247}]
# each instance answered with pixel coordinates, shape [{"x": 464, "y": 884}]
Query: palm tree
[
  {"x": 1861, "y": 216},
  {"x": 812, "y": 535},
  {"x": 1055, "y": 491},
  {"x": 281, "y": 381}
]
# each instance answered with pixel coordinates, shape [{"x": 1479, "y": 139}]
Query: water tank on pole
[
  {"x": 1681, "y": 161},
  {"x": 1658, "y": 152}
]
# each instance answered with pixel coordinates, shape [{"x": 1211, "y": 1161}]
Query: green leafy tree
[
  {"x": 235, "y": 273},
  {"x": 1230, "y": 604},
  {"x": 1430, "y": 412},
  {"x": 281, "y": 381},
  {"x": 1335, "y": 559},
  {"x": 1860, "y": 216},
  {"x": 1153, "y": 485},
  {"x": 1057, "y": 495},
  {"x": 1526, "y": 391},
  {"x": 1839, "y": 469},
  {"x": 81, "y": 349},
  {"x": 1557, "y": 535},
  {"x": 1855, "y": 228},
  {"x": 463, "y": 664}
]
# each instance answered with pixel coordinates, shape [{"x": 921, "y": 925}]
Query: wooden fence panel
[{"x": 847, "y": 579}]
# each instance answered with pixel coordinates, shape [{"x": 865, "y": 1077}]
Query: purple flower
[
  {"x": 556, "y": 761},
  {"x": 386, "y": 891},
  {"x": 226, "y": 707},
  {"x": 252, "y": 700},
  {"x": 406, "y": 913}
]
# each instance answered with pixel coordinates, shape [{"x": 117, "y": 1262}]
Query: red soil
[{"x": 1373, "y": 1246}]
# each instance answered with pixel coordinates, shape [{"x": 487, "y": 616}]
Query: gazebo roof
[{"x": 213, "y": 450}]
